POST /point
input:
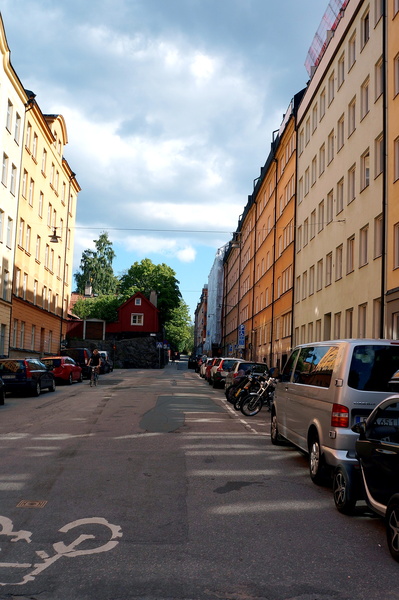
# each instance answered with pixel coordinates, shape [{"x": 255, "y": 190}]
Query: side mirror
[{"x": 360, "y": 429}]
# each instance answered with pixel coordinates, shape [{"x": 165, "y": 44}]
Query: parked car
[
  {"x": 206, "y": 362},
  {"x": 219, "y": 371},
  {"x": 209, "y": 365},
  {"x": 2, "y": 392},
  {"x": 192, "y": 361},
  {"x": 240, "y": 368},
  {"x": 377, "y": 452},
  {"x": 81, "y": 356},
  {"x": 324, "y": 389},
  {"x": 106, "y": 363},
  {"x": 64, "y": 368},
  {"x": 26, "y": 375}
]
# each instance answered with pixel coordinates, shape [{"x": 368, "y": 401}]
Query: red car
[{"x": 64, "y": 368}]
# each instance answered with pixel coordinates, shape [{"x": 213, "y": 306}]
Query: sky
[{"x": 170, "y": 107}]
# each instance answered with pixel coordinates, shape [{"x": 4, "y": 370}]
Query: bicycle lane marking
[{"x": 60, "y": 548}]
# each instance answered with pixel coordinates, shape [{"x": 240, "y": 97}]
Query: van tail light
[
  {"x": 27, "y": 370},
  {"x": 339, "y": 416}
]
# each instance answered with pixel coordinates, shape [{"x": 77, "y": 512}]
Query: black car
[
  {"x": 377, "y": 479},
  {"x": 2, "y": 392},
  {"x": 26, "y": 375}
]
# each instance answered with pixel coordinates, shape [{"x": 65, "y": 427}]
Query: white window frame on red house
[
  {"x": 137, "y": 301},
  {"x": 137, "y": 319}
]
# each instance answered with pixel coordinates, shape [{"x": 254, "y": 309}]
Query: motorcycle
[
  {"x": 247, "y": 383},
  {"x": 252, "y": 402}
]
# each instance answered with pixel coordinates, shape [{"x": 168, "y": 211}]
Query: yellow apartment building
[
  {"x": 12, "y": 114},
  {"x": 340, "y": 182},
  {"x": 44, "y": 236},
  {"x": 392, "y": 121}
]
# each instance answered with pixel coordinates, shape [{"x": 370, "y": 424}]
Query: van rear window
[
  {"x": 315, "y": 365},
  {"x": 372, "y": 367}
]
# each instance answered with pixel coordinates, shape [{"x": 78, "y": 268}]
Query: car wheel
[
  {"x": 51, "y": 388},
  {"x": 37, "y": 389},
  {"x": 316, "y": 467},
  {"x": 215, "y": 384},
  {"x": 275, "y": 437},
  {"x": 80, "y": 379},
  {"x": 343, "y": 491},
  {"x": 70, "y": 379},
  {"x": 392, "y": 528}
]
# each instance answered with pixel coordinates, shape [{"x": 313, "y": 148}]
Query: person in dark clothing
[{"x": 95, "y": 360}]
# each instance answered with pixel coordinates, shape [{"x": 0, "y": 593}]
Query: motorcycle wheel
[
  {"x": 237, "y": 402},
  {"x": 251, "y": 406}
]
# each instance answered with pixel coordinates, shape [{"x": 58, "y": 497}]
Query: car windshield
[
  {"x": 11, "y": 366},
  {"x": 372, "y": 367}
]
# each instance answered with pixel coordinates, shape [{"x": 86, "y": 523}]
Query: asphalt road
[{"x": 151, "y": 487}]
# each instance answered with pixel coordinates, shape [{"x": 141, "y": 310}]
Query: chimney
[{"x": 153, "y": 297}]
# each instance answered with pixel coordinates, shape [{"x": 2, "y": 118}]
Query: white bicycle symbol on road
[{"x": 60, "y": 549}]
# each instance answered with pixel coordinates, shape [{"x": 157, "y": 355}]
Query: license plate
[
  {"x": 8, "y": 376},
  {"x": 381, "y": 421}
]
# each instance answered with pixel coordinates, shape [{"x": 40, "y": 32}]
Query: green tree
[
  {"x": 96, "y": 267},
  {"x": 179, "y": 330},
  {"x": 145, "y": 277},
  {"x": 103, "y": 307}
]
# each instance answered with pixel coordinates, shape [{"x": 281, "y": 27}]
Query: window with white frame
[
  {"x": 340, "y": 195},
  {"x": 13, "y": 180},
  {"x": 44, "y": 161},
  {"x": 17, "y": 283},
  {"x": 362, "y": 315},
  {"x": 14, "y": 332},
  {"x": 319, "y": 275},
  {"x": 304, "y": 285},
  {"x": 32, "y": 337},
  {"x": 330, "y": 147},
  {"x": 322, "y": 159},
  {"x": 311, "y": 280},
  {"x": 28, "y": 238},
  {"x": 351, "y": 184},
  {"x": 307, "y": 131},
  {"x": 351, "y": 116},
  {"x": 331, "y": 88},
  {"x": 396, "y": 74},
  {"x": 314, "y": 170},
  {"x": 329, "y": 265},
  {"x": 341, "y": 70},
  {"x": 31, "y": 191},
  {"x": 9, "y": 232},
  {"x": 28, "y": 136},
  {"x": 37, "y": 250},
  {"x": 21, "y": 233},
  {"x": 17, "y": 129},
  {"x": 9, "y": 115},
  {"x": 6, "y": 287},
  {"x": 337, "y": 326},
  {"x": 396, "y": 6},
  {"x": 312, "y": 224},
  {"x": 365, "y": 170},
  {"x": 24, "y": 285},
  {"x": 34, "y": 146},
  {"x": 137, "y": 301},
  {"x": 364, "y": 98},
  {"x": 379, "y": 155},
  {"x": 330, "y": 206},
  {"x": 396, "y": 245},
  {"x": 378, "y": 236},
  {"x": 396, "y": 159},
  {"x": 322, "y": 103},
  {"x": 314, "y": 118},
  {"x": 350, "y": 254},
  {"x": 338, "y": 262},
  {"x": 365, "y": 28},
  {"x": 320, "y": 223},
  {"x": 378, "y": 10},
  {"x": 340, "y": 132},
  {"x": 349, "y": 323},
  {"x": 363, "y": 246},
  {"x": 307, "y": 179},
  {"x": 352, "y": 51},
  {"x": 305, "y": 232},
  {"x": 41, "y": 202},
  {"x": 379, "y": 78},
  {"x": 4, "y": 170},
  {"x": 1, "y": 226},
  {"x": 137, "y": 319}
]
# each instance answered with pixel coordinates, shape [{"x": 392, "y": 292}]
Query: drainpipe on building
[{"x": 382, "y": 332}]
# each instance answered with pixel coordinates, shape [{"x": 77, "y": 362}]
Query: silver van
[{"x": 324, "y": 389}]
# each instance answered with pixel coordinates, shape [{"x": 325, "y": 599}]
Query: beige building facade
[{"x": 340, "y": 183}]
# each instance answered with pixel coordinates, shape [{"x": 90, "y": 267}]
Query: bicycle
[{"x": 94, "y": 376}]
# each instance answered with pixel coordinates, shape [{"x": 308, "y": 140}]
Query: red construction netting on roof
[{"x": 329, "y": 22}]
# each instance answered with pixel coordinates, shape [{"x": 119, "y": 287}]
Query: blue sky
[{"x": 170, "y": 107}]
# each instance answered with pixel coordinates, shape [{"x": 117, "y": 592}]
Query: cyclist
[{"x": 95, "y": 361}]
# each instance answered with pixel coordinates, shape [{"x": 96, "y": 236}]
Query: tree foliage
[
  {"x": 96, "y": 267},
  {"x": 103, "y": 307},
  {"x": 145, "y": 277},
  {"x": 179, "y": 329}
]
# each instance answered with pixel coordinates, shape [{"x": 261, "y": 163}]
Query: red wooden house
[{"x": 136, "y": 317}]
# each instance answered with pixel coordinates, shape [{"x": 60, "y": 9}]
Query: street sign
[{"x": 241, "y": 336}]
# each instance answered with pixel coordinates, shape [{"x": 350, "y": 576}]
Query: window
[
  {"x": 341, "y": 70},
  {"x": 21, "y": 233},
  {"x": 350, "y": 254},
  {"x": 314, "y": 118},
  {"x": 304, "y": 284},
  {"x": 1, "y": 226},
  {"x": 349, "y": 323},
  {"x": 46, "y": 255},
  {"x": 9, "y": 232},
  {"x": 379, "y": 155},
  {"x": 137, "y": 319},
  {"x": 365, "y": 170},
  {"x": 331, "y": 88},
  {"x": 31, "y": 192},
  {"x": 44, "y": 161},
  {"x": 352, "y": 51},
  {"x": 28, "y": 136},
  {"x": 340, "y": 196},
  {"x": 24, "y": 286},
  {"x": 363, "y": 246},
  {"x": 6, "y": 278},
  {"x": 306, "y": 187},
  {"x": 364, "y": 98},
  {"x": 311, "y": 280},
  {"x": 341, "y": 132},
  {"x": 338, "y": 262},
  {"x": 49, "y": 215},
  {"x": 329, "y": 264},
  {"x": 319, "y": 275},
  {"x": 4, "y": 170},
  {"x": 378, "y": 9},
  {"x": 17, "y": 281},
  {"x": 322, "y": 159},
  {"x": 34, "y": 146},
  {"x": 9, "y": 115},
  {"x": 300, "y": 190},
  {"x": 41, "y": 201},
  {"x": 379, "y": 78},
  {"x": 17, "y": 130},
  {"x": 337, "y": 326},
  {"x": 361, "y": 325},
  {"x": 35, "y": 288},
  {"x": 37, "y": 251},
  {"x": 301, "y": 142},
  {"x": 396, "y": 74},
  {"x": 351, "y": 184},
  {"x": 32, "y": 337},
  {"x": 27, "y": 238},
  {"x": 352, "y": 116},
  {"x": 365, "y": 28},
  {"x": 13, "y": 181},
  {"x": 330, "y": 147},
  {"x": 396, "y": 6},
  {"x": 314, "y": 171},
  {"x": 307, "y": 131},
  {"x": 305, "y": 232},
  {"x": 330, "y": 206},
  {"x": 378, "y": 236},
  {"x": 312, "y": 224},
  {"x": 322, "y": 104},
  {"x": 321, "y": 217}
]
